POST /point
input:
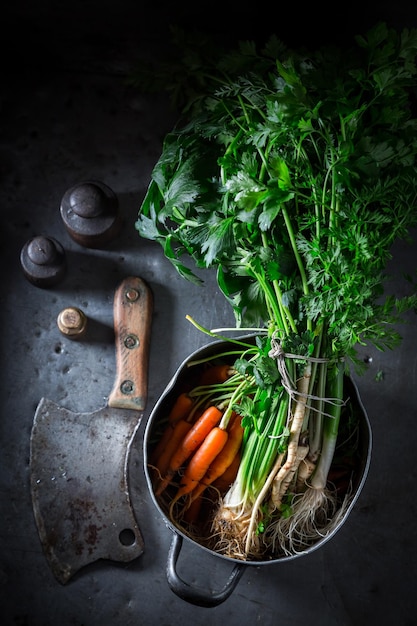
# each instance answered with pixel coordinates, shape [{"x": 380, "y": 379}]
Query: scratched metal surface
[{"x": 70, "y": 118}]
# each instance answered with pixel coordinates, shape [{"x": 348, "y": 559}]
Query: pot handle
[{"x": 197, "y": 595}]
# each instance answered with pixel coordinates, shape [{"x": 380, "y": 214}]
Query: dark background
[
  {"x": 50, "y": 31},
  {"x": 67, "y": 115}
]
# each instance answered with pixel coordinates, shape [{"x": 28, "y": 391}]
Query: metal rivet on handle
[
  {"x": 127, "y": 387},
  {"x": 132, "y": 294},
  {"x": 131, "y": 341}
]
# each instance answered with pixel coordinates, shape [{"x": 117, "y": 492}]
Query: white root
[
  {"x": 279, "y": 489},
  {"x": 258, "y": 502},
  {"x": 229, "y": 527},
  {"x": 315, "y": 514},
  {"x": 305, "y": 470},
  {"x": 295, "y": 430}
]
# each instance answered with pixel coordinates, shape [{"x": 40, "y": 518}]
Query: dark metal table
[{"x": 72, "y": 120}]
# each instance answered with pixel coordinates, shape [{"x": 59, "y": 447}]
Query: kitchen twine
[{"x": 277, "y": 352}]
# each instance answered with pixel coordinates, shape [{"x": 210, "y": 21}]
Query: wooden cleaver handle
[{"x": 133, "y": 305}]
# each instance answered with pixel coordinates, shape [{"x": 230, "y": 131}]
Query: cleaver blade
[{"x": 79, "y": 461}]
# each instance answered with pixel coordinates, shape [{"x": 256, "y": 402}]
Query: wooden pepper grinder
[{"x": 90, "y": 213}]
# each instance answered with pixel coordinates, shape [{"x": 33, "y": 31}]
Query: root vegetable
[
  {"x": 192, "y": 439},
  {"x": 315, "y": 511},
  {"x": 200, "y": 462},
  {"x": 223, "y": 460},
  {"x": 223, "y": 482},
  {"x": 216, "y": 374},
  {"x": 296, "y": 426},
  {"x": 305, "y": 470},
  {"x": 192, "y": 511},
  {"x": 279, "y": 489},
  {"x": 179, "y": 431},
  {"x": 180, "y": 410}
]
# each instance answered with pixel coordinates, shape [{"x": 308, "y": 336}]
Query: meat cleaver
[{"x": 79, "y": 461}]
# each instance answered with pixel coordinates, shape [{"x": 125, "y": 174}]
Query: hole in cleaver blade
[{"x": 79, "y": 486}]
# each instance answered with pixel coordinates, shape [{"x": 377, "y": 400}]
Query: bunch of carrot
[{"x": 200, "y": 444}]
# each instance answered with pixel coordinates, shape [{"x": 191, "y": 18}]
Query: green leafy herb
[{"x": 294, "y": 179}]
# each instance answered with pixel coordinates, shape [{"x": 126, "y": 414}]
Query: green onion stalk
[{"x": 293, "y": 175}]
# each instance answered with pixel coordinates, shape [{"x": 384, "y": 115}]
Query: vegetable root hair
[
  {"x": 315, "y": 514},
  {"x": 230, "y": 527}
]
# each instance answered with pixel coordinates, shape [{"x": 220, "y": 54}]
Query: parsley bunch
[{"x": 293, "y": 176}]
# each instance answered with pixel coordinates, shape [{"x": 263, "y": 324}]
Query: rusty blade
[
  {"x": 79, "y": 483},
  {"x": 79, "y": 461}
]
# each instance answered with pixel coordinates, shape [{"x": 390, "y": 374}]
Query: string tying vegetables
[{"x": 277, "y": 352}]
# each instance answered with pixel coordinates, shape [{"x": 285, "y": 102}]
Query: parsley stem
[
  {"x": 297, "y": 256},
  {"x": 280, "y": 314}
]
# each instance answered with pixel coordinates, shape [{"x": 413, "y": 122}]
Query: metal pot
[{"x": 195, "y": 594}]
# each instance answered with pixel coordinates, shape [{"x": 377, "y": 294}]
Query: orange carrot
[
  {"x": 223, "y": 482},
  {"x": 178, "y": 433},
  {"x": 205, "y": 423},
  {"x": 192, "y": 512},
  {"x": 193, "y": 438},
  {"x": 180, "y": 410},
  {"x": 223, "y": 460},
  {"x": 161, "y": 445},
  {"x": 201, "y": 460},
  {"x": 216, "y": 374}
]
